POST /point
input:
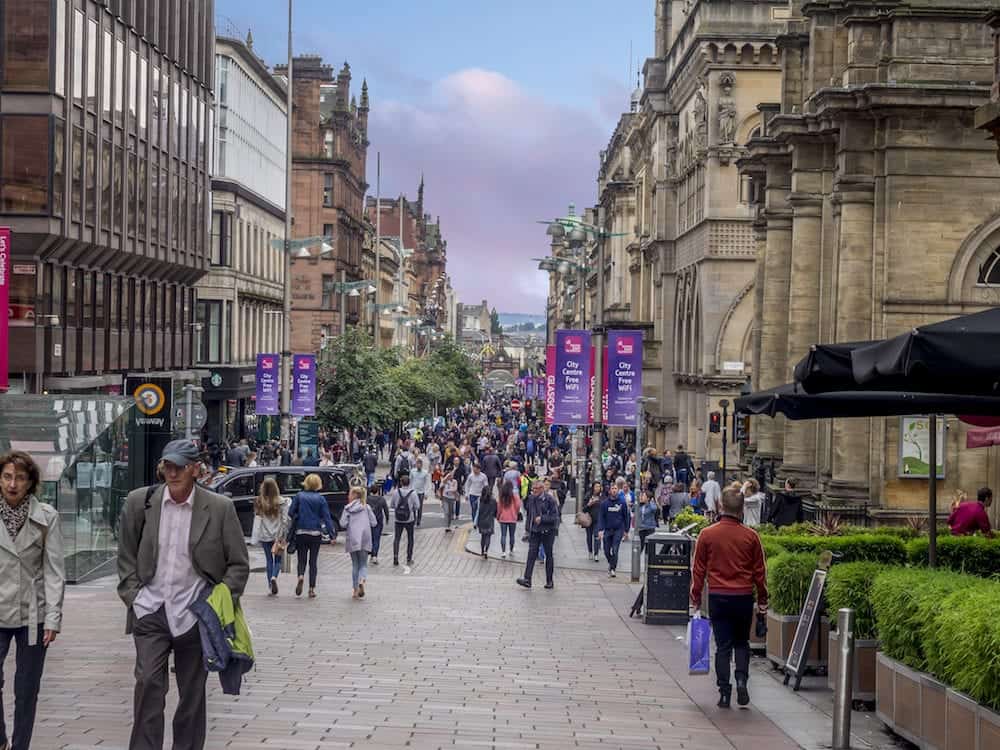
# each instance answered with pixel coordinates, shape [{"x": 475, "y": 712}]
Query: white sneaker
[
  {"x": 503, "y": 555},
  {"x": 596, "y": 558},
  {"x": 613, "y": 574}
]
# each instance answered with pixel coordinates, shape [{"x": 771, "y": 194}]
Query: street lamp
[{"x": 640, "y": 424}]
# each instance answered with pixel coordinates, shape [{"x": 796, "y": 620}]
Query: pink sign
[
  {"x": 5, "y": 270},
  {"x": 550, "y": 384},
  {"x": 982, "y": 437}
]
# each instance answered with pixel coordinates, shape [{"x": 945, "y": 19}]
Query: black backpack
[
  {"x": 404, "y": 466},
  {"x": 403, "y": 508}
]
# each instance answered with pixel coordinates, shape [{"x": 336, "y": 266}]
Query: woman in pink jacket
[{"x": 508, "y": 509}]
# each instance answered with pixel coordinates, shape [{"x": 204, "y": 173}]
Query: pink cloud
[{"x": 496, "y": 158}]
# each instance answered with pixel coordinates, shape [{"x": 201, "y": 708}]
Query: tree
[
  {"x": 355, "y": 384},
  {"x": 495, "y": 327}
]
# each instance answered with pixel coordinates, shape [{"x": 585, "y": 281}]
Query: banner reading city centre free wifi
[
  {"x": 573, "y": 365},
  {"x": 623, "y": 377}
]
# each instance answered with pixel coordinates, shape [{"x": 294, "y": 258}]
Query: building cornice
[{"x": 225, "y": 185}]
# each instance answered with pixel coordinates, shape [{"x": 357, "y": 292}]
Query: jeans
[
  {"x": 400, "y": 528},
  {"x": 731, "y": 616},
  {"x": 473, "y": 506},
  {"x": 507, "y": 529},
  {"x": 612, "y": 539},
  {"x": 27, "y": 678},
  {"x": 420, "y": 511},
  {"x": 545, "y": 541},
  {"x": 359, "y": 566},
  {"x": 272, "y": 562},
  {"x": 458, "y": 507},
  {"x": 370, "y": 479},
  {"x": 308, "y": 545},
  {"x": 377, "y": 537},
  {"x": 448, "y": 506},
  {"x": 593, "y": 543},
  {"x": 643, "y": 533}
]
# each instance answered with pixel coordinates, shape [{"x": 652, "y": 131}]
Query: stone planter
[
  {"x": 864, "y": 666},
  {"x": 930, "y": 714},
  {"x": 781, "y": 633}
]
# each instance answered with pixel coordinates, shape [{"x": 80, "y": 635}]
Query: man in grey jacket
[
  {"x": 405, "y": 504},
  {"x": 176, "y": 539}
]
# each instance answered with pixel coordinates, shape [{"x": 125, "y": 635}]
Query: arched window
[{"x": 989, "y": 271}]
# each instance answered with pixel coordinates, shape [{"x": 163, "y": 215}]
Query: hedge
[
  {"x": 860, "y": 547},
  {"x": 963, "y": 644},
  {"x": 788, "y": 578},
  {"x": 902, "y": 532},
  {"x": 849, "y": 585},
  {"x": 687, "y": 517},
  {"x": 906, "y": 602},
  {"x": 975, "y": 555},
  {"x": 772, "y": 548}
]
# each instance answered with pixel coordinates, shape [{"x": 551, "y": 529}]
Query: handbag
[
  {"x": 520, "y": 515},
  {"x": 584, "y": 520}
]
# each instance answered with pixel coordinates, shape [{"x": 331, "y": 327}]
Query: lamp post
[
  {"x": 640, "y": 428},
  {"x": 350, "y": 289},
  {"x": 724, "y": 403}
]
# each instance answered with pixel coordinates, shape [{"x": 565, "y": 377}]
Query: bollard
[
  {"x": 636, "y": 555},
  {"x": 844, "y": 682}
]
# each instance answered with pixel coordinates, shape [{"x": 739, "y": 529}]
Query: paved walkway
[{"x": 448, "y": 654}]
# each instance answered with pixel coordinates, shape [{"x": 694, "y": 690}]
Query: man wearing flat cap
[{"x": 176, "y": 538}]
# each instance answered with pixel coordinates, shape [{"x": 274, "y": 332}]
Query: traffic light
[
  {"x": 715, "y": 422},
  {"x": 741, "y": 425}
]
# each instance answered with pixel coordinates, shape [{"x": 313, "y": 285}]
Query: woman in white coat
[
  {"x": 32, "y": 585},
  {"x": 357, "y": 521}
]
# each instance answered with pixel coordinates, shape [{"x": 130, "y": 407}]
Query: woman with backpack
[
  {"x": 357, "y": 520},
  {"x": 309, "y": 515},
  {"x": 270, "y": 527}
]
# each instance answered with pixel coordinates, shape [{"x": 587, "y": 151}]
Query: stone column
[
  {"x": 774, "y": 312},
  {"x": 803, "y": 298},
  {"x": 853, "y": 284}
]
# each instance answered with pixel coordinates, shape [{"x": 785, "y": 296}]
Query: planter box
[
  {"x": 781, "y": 633},
  {"x": 930, "y": 714},
  {"x": 864, "y": 666}
]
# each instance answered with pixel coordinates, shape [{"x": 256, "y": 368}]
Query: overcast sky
[{"x": 502, "y": 106}]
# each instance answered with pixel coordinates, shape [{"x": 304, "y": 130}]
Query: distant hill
[{"x": 522, "y": 322}]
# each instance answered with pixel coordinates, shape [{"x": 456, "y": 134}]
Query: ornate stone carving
[
  {"x": 700, "y": 118},
  {"x": 727, "y": 108}
]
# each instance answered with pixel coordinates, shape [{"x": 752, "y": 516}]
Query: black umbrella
[
  {"x": 961, "y": 355},
  {"x": 792, "y": 401},
  {"x": 827, "y": 367}
]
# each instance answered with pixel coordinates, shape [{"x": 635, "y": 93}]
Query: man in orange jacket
[{"x": 730, "y": 556}]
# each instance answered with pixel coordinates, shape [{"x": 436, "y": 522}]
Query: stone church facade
[{"x": 878, "y": 209}]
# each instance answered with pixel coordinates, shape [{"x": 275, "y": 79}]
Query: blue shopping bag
[{"x": 699, "y": 638}]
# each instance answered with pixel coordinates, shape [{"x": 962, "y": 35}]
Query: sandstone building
[
  {"x": 877, "y": 211},
  {"x": 329, "y": 158}
]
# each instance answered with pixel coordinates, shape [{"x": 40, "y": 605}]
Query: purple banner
[
  {"x": 304, "y": 385},
  {"x": 267, "y": 383},
  {"x": 624, "y": 377},
  {"x": 572, "y": 376},
  {"x": 540, "y": 387}
]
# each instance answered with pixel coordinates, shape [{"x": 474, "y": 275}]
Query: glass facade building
[{"x": 106, "y": 116}]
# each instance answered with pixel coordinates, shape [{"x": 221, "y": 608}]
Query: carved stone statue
[
  {"x": 700, "y": 120},
  {"x": 727, "y": 109}
]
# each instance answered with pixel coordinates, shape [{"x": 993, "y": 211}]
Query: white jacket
[
  {"x": 271, "y": 529},
  {"x": 32, "y": 572}
]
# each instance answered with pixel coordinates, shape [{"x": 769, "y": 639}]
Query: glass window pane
[
  {"x": 58, "y": 168},
  {"x": 164, "y": 107},
  {"x": 130, "y": 185},
  {"x": 26, "y": 44},
  {"x": 24, "y": 181},
  {"x": 154, "y": 107},
  {"x": 119, "y": 79},
  {"x": 106, "y": 65},
  {"x": 92, "y": 33},
  {"x": 119, "y": 197},
  {"x": 183, "y": 124},
  {"x": 143, "y": 73},
  {"x": 90, "y": 210},
  {"x": 77, "y": 57},
  {"x": 175, "y": 117},
  {"x": 133, "y": 63},
  {"x": 106, "y": 185},
  {"x": 60, "y": 42},
  {"x": 141, "y": 206}
]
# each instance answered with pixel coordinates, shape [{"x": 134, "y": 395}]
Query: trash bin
[{"x": 667, "y": 590}]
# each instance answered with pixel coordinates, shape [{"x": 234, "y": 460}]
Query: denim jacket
[{"x": 309, "y": 512}]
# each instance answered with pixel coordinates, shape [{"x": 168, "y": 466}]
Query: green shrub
[
  {"x": 767, "y": 529},
  {"x": 902, "y": 532},
  {"x": 860, "y": 547},
  {"x": 794, "y": 529},
  {"x": 974, "y": 555},
  {"x": 788, "y": 578},
  {"x": 905, "y": 602},
  {"x": 963, "y": 641},
  {"x": 849, "y": 585},
  {"x": 687, "y": 517},
  {"x": 772, "y": 548}
]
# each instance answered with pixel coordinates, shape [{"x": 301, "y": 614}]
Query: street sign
[
  {"x": 199, "y": 415},
  {"x": 516, "y": 404}
]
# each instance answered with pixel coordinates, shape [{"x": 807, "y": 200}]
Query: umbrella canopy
[
  {"x": 827, "y": 367},
  {"x": 792, "y": 401},
  {"x": 982, "y": 437},
  {"x": 961, "y": 355}
]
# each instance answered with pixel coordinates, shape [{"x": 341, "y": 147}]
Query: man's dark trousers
[
  {"x": 153, "y": 644},
  {"x": 731, "y": 616},
  {"x": 546, "y": 541},
  {"x": 27, "y": 679},
  {"x": 400, "y": 528}
]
